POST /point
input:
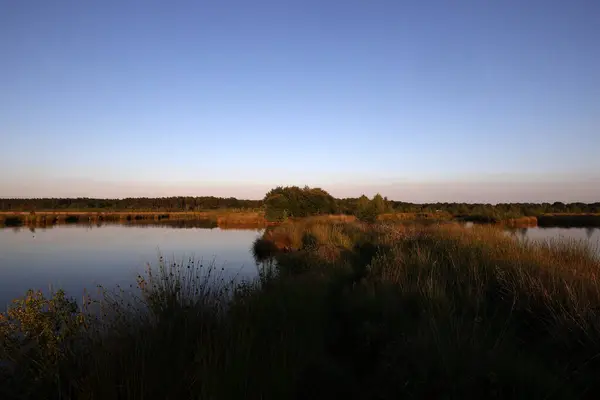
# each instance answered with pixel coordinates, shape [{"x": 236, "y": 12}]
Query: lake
[{"x": 74, "y": 257}]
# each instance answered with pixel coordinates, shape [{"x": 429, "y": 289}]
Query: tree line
[
  {"x": 293, "y": 201},
  {"x": 131, "y": 203}
]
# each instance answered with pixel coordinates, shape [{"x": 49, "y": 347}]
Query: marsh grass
[
  {"x": 450, "y": 310},
  {"x": 342, "y": 310},
  {"x": 226, "y": 217}
]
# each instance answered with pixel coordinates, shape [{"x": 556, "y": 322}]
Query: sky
[{"x": 423, "y": 101}]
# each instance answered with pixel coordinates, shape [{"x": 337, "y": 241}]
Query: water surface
[
  {"x": 590, "y": 235},
  {"x": 74, "y": 257}
]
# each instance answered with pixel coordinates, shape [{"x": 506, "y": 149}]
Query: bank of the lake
[
  {"x": 224, "y": 218},
  {"x": 232, "y": 218},
  {"x": 341, "y": 310}
]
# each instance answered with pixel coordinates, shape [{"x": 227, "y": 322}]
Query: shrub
[
  {"x": 369, "y": 210},
  {"x": 292, "y": 201},
  {"x": 38, "y": 335}
]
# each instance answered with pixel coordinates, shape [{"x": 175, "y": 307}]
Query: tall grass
[
  {"x": 353, "y": 311},
  {"x": 226, "y": 217}
]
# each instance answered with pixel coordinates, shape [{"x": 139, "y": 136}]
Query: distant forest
[
  {"x": 129, "y": 204},
  {"x": 343, "y": 206}
]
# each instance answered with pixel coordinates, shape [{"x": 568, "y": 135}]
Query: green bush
[
  {"x": 292, "y": 201},
  {"x": 368, "y": 210}
]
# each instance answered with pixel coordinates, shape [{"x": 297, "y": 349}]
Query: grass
[
  {"x": 423, "y": 216},
  {"x": 226, "y": 218},
  {"x": 341, "y": 309},
  {"x": 521, "y": 222},
  {"x": 442, "y": 216}
]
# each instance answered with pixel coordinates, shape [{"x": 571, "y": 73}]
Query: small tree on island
[
  {"x": 368, "y": 210},
  {"x": 293, "y": 201}
]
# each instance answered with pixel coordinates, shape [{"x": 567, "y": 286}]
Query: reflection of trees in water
[
  {"x": 589, "y": 231},
  {"x": 267, "y": 269},
  {"x": 176, "y": 224},
  {"x": 522, "y": 232}
]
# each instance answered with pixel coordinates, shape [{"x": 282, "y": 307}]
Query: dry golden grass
[
  {"x": 225, "y": 218},
  {"x": 442, "y": 215},
  {"x": 522, "y": 222}
]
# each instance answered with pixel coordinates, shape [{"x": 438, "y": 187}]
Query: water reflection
[
  {"x": 78, "y": 256},
  {"x": 177, "y": 224},
  {"x": 590, "y": 232},
  {"x": 590, "y": 235}
]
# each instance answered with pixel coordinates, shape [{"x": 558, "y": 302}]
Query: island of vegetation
[{"x": 353, "y": 300}]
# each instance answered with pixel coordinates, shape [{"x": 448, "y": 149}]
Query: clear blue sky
[{"x": 421, "y": 100}]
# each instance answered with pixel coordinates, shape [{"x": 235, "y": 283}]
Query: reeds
[{"x": 350, "y": 310}]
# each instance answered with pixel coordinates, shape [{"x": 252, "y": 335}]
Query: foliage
[
  {"x": 292, "y": 201},
  {"x": 368, "y": 210},
  {"x": 304, "y": 203},
  {"x": 499, "y": 211},
  {"x": 38, "y": 335},
  {"x": 128, "y": 204}
]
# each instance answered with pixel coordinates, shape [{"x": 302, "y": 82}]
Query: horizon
[
  {"x": 423, "y": 103},
  {"x": 495, "y": 191}
]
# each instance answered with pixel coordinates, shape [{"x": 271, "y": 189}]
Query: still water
[{"x": 75, "y": 257}]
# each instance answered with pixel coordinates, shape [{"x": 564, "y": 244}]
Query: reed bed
[{"x": 339, "y": 310}]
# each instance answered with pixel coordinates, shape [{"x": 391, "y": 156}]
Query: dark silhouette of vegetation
[
  {"x": 572, "y": 220},
  {"x": 13, "y": 221},
  {"x": 128, "y": 204},
  {"x": 323, "y": 202},
  {"x": 500, "y": 211},
  {"x": 71, "y": 219},
  {"x": 347, "y": 310}
]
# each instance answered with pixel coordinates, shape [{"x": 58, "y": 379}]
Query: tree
[
  {"x": 293, "y": 201},
  {"x": 368, "y": 210},
  {"x": 379, "y": 204}
]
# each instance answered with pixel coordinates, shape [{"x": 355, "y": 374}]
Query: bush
[
  {"x": 38, "y": 336},
  {"x": 369, "y": 210},
  {"x": 283, "y": 202}
]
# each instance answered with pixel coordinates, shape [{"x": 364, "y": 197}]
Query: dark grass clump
[{"x": 264, "y": 249}]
